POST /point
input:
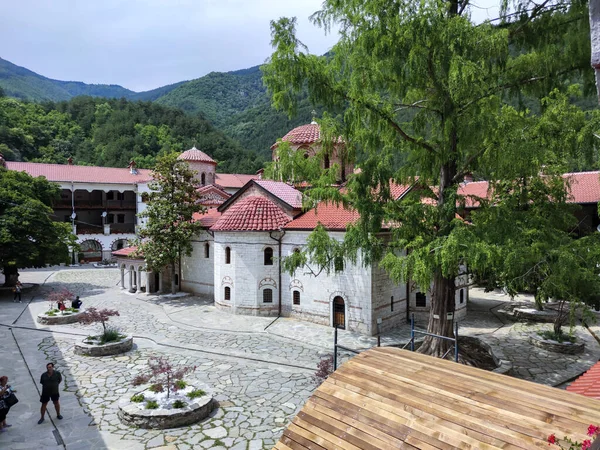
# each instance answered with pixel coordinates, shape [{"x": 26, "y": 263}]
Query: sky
[{"x": 145, "y": 44}]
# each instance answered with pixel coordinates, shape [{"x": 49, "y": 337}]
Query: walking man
[
  {"x": 50, "y": 381},
  {"x": 17, "y": 290}
]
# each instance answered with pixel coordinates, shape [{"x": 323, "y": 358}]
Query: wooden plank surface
[{"x": 387, "y": 398}]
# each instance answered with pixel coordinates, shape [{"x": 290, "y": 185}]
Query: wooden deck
[{"x": 387, "y": 398}]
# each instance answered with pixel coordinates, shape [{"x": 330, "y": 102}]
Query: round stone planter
[
  {"x": 59, "y": 319},
  {"x": 131, "y": 414},
  {"x": 111, "y": 348},
  {"x": 554, "y": 346}
]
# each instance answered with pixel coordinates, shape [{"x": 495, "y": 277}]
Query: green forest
[{"x": 112, "y": 132}]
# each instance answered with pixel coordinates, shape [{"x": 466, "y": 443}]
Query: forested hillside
[{"x": 110, "y": 132}]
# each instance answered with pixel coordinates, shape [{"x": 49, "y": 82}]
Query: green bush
[
  {"x": 180, "y": 384},
  {"x": 157, "y": 388},
  {"x": 178, "y": 404},
  {"x": 196, "y": 393},
  {"x": 51, "y": 314},
  {"x": 138, "y": 398},
  {"x": 111, "y": 335},
  {"x": 151, "y": 404}
]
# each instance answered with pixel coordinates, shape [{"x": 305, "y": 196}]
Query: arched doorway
[
  {"x": 339, "y": 313},
  {"x": 90, "y": 250}
]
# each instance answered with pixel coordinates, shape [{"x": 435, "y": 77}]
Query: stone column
[
  {"x": 138, "y": 284},
  {"x": 122, "y": 276},
  {"x": 148, "y": 273},
  {"x": 131, "y": 275}
]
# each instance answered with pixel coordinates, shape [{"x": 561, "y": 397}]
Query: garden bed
[
  {"x": 56, "y": 317},
  {"x": 569, "y": 348},
  {"x": 92, "y": 346},
  {"x": 152, "y": 410}
]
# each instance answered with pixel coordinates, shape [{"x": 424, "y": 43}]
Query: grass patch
[
  {"x": 218, "y": 443},
  {"x": 178, "y": 404},
  {"x": 196, "y": 393},
  {"x": 180, "y": 384},
  {"x": 138, "y": 398},
  {"x": 560, "y": 337},
  {"x": 111, "y": 335},
  {"x": 51, "y": 314},
  {"x": 156, "y": 388},
  {"x": 151, "y": 404}
]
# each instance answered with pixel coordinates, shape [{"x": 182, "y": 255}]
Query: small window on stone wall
[
  {"x": 176, "y": 279},
  {"x": 203, "y": 179},
  {"x": 392, "y": 303},
  {"x": 227, "y": 255},
  {"x": 227, "y": 293},
  {"x": 421, "y": 300},
  {"x": 268, "y": 296},
  {"x": 296, "y": 296},
  {"x": 207, "y": 250},
  {"x": 462, "y": 295},
  {"x": 268, "y": 256}
]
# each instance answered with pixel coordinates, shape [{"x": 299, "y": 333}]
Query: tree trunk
[
  {"x": 442, "y": 303},
  {"x": 11, "y": 274},
  {"x": 173, "y": 287}
]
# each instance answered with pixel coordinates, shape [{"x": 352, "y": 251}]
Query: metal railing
[{"x": 412, "y": 338}]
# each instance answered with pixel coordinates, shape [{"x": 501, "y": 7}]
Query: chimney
[
  {"x": 468, "y": 177},
  {"x": 70, "y": 161},
  {"x": 2, "y": 160},
  {"x": 260, "y": 172},
  {"x": 132, "y": 168}
]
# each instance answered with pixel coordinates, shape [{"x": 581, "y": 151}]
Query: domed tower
[
  {"x": 201, "y": 163},
  {"x": 307, "y": 138}
]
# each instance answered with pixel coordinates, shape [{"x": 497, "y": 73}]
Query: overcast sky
[{"x": 144, "y": 44}]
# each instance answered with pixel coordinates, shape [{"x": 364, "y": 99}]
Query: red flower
[
  {"x": 586, "y": 444},
  {"x": 551, "y": 439},
  {"x": 593, "y": 430}
]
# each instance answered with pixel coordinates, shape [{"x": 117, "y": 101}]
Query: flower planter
[
  {"x": 59, "y": 319},
  {"x": 569, "y": 348},
  {"x": 110, "y": 348},
  {"x": 135, "y": 414}
]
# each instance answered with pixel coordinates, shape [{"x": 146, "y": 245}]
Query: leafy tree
[
  {"x": 428, "y": 97},
  {"x": 164, "y": 373},
  {"x": 170, "y": 225},
  {"x": 28, "y": 235},
  {"x": 101, "y": 316}
]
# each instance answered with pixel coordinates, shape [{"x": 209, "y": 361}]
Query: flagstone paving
[{"x": 259, "y": 369}]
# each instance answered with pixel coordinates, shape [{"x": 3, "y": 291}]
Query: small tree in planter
[
  {"x": 57, "y": 297},
  {"x": 165, "y": 375},
  {"x": 93, "y": 315}
]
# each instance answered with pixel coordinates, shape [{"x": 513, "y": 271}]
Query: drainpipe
[{"x": 279, "y": 267}]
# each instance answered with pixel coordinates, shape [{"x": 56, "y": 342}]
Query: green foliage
[
  {"x": 558, "y": 337},
  {"x": 170, "y": 226},
  {"x": 138, "y": 398},
  {"x": 178, "y": 404},
  {"x": 28, "y": 235},
  {"x": 428, "y": 97},
  {"x": 180, "y": 384},
  {"x": 111, "y": 133},
  {"x": 110, "y": 335},
  {"x": 151, "y": 404},
  {"x": 156, "y": 388},
  {"x": 196, "y": 393}
]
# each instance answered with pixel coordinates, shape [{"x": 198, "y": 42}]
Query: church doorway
[{"x": 339, "y": 313}]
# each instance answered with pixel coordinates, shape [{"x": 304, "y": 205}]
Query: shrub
[
  {"x": 138, "y": 398},
  {"x": 180, "y": 384},
  {"x": 196, "y": 393},
  {"x": 157, "y": 388},
  {"x": 324, "y": 369},
  {"x": 164, "y": 373},
  {"x": 178, "y": 404},
  {"x": 93, "y": 315},
  {"x": 151, "y": 404},
  {"x": 110, "y": 335},
  {"x": 51, "y": 314}
]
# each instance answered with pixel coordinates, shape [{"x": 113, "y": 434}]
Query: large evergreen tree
[
  {"x": 28, "y": 235},
  {"x": 425, "y": 96},
  {"x": 168, "y": 231}
]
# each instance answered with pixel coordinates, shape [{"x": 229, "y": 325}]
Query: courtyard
[{"x": 260, "y": 369}]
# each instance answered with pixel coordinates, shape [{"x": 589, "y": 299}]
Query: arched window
[
  {"x": 296, "y": 297},
  {"x": 268, "y": 256},
  {"x": 227, "y": 255},
  {"x": 268, "y": 296},
  {"x": 203, "y": 179},
  {"x": 227, "y": 293},
  {"x": 207, "y": 250}
]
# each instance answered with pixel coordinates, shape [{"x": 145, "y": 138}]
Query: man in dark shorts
[{"x": 50, "y": 381}]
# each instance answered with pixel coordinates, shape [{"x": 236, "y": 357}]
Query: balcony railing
[
  {"x": 110, "y": 204},
  {"x": 114, "y": 228}
]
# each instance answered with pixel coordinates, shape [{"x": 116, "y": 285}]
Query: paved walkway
[{"x": 260, "y": 377}]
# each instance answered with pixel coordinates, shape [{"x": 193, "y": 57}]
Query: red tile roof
[
  {"x": 127, "y": 251},
  {"x": 81, "y": 174},
  {"x": 193, "y": 154},
  {"x": 588, "y": 384},
  {"x": 283, "y": 191},
  {"x": 211, "y": 195},
  {"x": 233, "y": 180},
  {"x": 252, "y": 213},
  {"x": 209, "y": 218},
  {"x": 331, "y": 216},
  {"x": 398, "y": 190},
  {"x": 304, "y": 134},
  {"x": 472, "y": 191}
]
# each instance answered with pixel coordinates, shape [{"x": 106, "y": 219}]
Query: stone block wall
[
  {"x": 208, "y": 169},
  {"x": 383, "y": 290},
  {"x": 197, "y": 271}
]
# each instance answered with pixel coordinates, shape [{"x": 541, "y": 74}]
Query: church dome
[
  {"x": 252, "y": 213},
  {"x": 195, "y": 155}
]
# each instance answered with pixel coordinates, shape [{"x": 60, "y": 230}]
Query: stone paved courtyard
[{"x": 260, "y": 378}]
